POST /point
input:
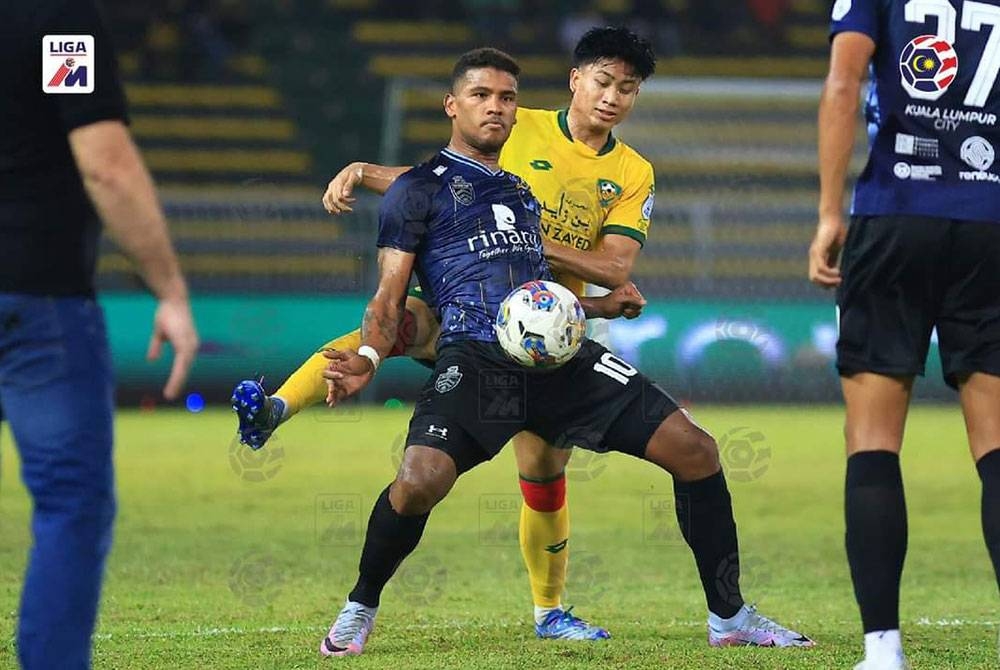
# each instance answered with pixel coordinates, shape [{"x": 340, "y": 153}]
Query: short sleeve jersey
[
  {"x": 475, "y": 234},
  {"x": 932, "y": 107},
  {"x": 48, "y": 227},
  {"x": 584, "y": 194}
]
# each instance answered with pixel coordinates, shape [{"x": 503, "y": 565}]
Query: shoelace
[
  {"x": 353, "y": 620},
  {"x": 575, "y": 621},
  {"x": 756, "y": 620}
]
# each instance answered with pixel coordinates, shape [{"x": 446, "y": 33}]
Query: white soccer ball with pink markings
[{"x": 541, "y": 324}]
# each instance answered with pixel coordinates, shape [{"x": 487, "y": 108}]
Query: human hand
[{"x": 346, "y": 374}]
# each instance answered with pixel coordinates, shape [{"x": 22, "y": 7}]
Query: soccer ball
[{"x": 541, "y": 324}]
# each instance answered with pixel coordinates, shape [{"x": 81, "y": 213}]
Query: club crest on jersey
[
  {"x": 462, "y": 190},
  {"x": 608, "y": 191},
  {"x": 927, "y": 66},
  {"x": 448, "y": 379}
]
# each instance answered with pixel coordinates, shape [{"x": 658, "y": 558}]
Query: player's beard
[{"x": 487, "y": 145}]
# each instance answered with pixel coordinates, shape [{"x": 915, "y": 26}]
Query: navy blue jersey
[
  {"x": 932, "y": 107},
  {"x": 476, "y": 236}
]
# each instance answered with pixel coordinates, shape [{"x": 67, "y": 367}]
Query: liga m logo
[{"x": 68, "y": 64}]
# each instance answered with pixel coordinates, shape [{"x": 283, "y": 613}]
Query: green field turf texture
[{"x": 225, "y": 560}]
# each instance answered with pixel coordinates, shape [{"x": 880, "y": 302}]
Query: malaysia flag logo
[{"x": 927, "y": 65}]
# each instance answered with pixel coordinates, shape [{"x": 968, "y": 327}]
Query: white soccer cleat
[
  {"x": 756, "y": 630},
  {"x": 350, "y": 631}
]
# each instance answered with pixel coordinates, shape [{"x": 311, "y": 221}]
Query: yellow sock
[
  {"x": 306, "y": 385},
  {"x": 544, "y": 537}
]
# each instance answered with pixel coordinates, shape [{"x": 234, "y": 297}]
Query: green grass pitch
[{"x": 227, "y": 560}]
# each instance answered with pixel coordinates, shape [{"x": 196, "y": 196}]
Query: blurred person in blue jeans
[{"x": 67, "y": 163}]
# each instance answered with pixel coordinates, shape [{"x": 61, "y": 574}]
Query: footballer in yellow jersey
[
  {"x": 597, "y": 197},
  {"x": 584, "y": 193}
]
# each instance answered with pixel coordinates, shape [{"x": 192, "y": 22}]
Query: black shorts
[
  {"x": 905, "y": 275},
  {"x": 477, "y": 399}
]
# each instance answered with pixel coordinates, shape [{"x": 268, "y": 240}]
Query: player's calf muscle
[{"x": 536, "y": 459}]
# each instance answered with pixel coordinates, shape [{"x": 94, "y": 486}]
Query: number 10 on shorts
[{"x": 614, "y": 367}]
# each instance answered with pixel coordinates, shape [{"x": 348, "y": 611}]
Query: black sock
[
  {"x": 989, "y": 471},
  {"x": 705, "y": 515},
  {"x": 875, "y": 514},
  {"x": 390, "y": 538}
]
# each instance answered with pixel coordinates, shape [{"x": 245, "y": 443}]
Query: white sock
[
  {"x": 883, "y": 646},
  {"x": 542, "y": 612},
  {"x": 721, "y": 625}
]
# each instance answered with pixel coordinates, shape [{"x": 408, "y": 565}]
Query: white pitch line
[
  {"x": 954, "y": 623},
  {"x": 282, "y": 630}
]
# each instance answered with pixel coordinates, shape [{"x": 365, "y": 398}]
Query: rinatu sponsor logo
[{"x": 505, "y": 238}]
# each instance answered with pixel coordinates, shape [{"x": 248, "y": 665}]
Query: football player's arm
[
  {"x": 380, "y": 325},
  {"x": 340, "y": 191},
  {"x": 608, "y": 265},
  {"x": 350, "y": 371},
  {"x": 624, "y": 300},
  {"x": 838, "y": 118}
]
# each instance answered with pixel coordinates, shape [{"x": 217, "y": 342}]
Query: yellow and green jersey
[{"x": 584, "y": 193}]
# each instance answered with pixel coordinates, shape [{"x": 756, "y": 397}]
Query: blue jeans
[{"x": 56, "y": 390}]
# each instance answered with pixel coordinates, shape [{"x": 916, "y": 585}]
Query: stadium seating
[
  {"x": 237, "y": 180},
  {"x": 243, "y": 147}
]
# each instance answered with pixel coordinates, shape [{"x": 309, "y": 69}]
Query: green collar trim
[{"x": 562, "y": 117}]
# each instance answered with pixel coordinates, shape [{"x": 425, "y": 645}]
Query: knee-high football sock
[
  {"x": 875, "y": 516},
  {"x": 306, "y": 385},
  {"x": 391, "y": 537},
  {"x": 544, "y": 538},
  {"x": 989, "y": 472},
  {"x": 705, "y": 516}
]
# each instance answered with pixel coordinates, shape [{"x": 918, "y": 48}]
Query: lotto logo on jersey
[
  {"x": 927, "y": 65},
  {"x": 68, "y": 64}
]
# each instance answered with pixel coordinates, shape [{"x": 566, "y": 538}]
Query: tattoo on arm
[
  {"x": 384, "y": 314},
  {"x": 383, "y": 321}
]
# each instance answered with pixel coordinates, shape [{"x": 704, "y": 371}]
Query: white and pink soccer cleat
[
  {"x": 752, "y": 629},
  {"x": 350, "y": 631}
]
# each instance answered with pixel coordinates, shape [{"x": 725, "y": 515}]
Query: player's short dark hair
[
  {"x": 484, "y": 57},
  {"x": 616, "y": 42}
]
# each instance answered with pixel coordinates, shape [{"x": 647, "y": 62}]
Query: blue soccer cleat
[
  {"x": 259, "y": 414},
  {"x": 562, "y": 625}
]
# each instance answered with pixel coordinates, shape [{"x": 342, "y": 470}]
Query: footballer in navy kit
[
  {"x": 922, "y": 252},
  {"x": 471, "y": 233},
  {"x": 932, "y": 107},
  {"x": 476, "y": 237}
]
